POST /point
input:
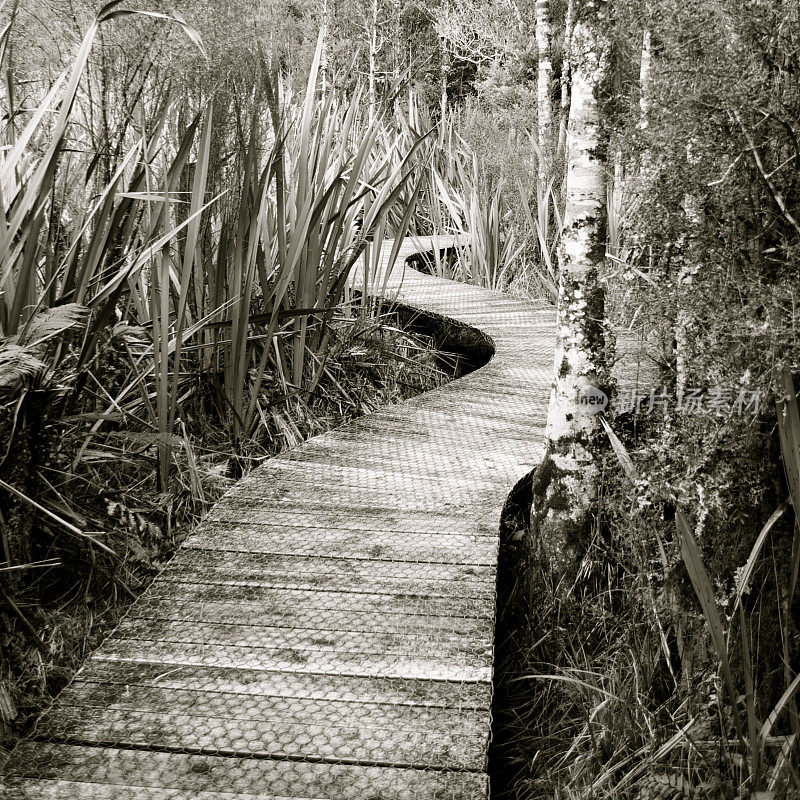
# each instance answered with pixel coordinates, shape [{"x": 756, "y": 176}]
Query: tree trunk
[
  {"x": 398, "y": 53},
  {"x": 324, "y": 61},
  {"x": 565, "y": 485},
  {"x": 695, "y": 222},
  {"x": 544, "y": 107},
  {"x": 444, "y": 68},
  {"x": 644, "y": 79},
  {"x": 565, "y": 84}
]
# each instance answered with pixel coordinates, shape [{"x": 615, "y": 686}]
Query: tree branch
[{"x": 776, "y": 195}]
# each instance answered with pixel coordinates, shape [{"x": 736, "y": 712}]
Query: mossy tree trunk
[
  {"x": 375, "y": 44},
  {"x": 692, "y": 263},
  {"x": 565, "y": 485},
  {"x": 645, "y": 66},
  {"x": 324, "y": 62}
]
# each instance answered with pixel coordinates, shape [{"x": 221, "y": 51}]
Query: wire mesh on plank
[{"x": 327, "y": 632}]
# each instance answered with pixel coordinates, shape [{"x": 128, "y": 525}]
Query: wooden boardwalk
[{"x": 327, "y": 632}]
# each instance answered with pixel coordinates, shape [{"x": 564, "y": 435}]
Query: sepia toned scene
[{"x": 398, "y": 400}]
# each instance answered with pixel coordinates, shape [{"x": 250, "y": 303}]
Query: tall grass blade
[
  {"x": 785, "y": 699},
  {"x": 789, "y": 432},
  {"x": 690, "y": 552},
  {"x": 746, "y": 573},
  {"x": 620, "y": 452},
  {"x": 750, "y": 706}
]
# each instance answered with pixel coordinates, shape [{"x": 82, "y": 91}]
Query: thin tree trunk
[
  {"x": 644, "y": 79},
  {"x": 543, "y": 101},
  {"x": 443, "y": 70},
  {"x": 695, "y": 222},
  {"x": 373, "y": 56},
  {"x": 646, "y": 163},
  {"x": 565, "y": 83},
  {"x": 324, "y": 61},
  {"x": 397, "y": 40},
  {"x": 565, "y": 484}
]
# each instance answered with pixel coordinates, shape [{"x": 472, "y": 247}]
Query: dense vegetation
[
  {"x": 662, "y": 661},
  {"x": 178, "y": 302},
  {"x": 185, "y": 207}
]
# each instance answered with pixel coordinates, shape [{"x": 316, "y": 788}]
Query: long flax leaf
[
  {"x": 750, "y": 707},
  {"x": 704, "y": 591},
  {"x": 47, "y": 163},
  {"x": 190, "y": 250},
  {"x": 746, "y": 574},
  {"x": 143, "y": 258},
  {"x": 789, "y": 432}
]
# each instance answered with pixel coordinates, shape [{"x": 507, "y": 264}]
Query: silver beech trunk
[
  {"x": 645, "y": 65},
  {"x": 692, "y": 263},
  {"x": 324, "y": 60},
  {"x": 565, "y": 483},
  {"x": 544, "y": 106},
  {"x": 375, "y": 45},
  {"x": 566, "y": 72}
]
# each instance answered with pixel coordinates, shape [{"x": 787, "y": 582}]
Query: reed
[{"x": 238, "y": 276}]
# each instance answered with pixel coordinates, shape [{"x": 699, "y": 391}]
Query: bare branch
[{"x": 776, "y": 195}]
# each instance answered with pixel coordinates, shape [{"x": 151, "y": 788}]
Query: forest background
[{"x": 185, "y": 195}]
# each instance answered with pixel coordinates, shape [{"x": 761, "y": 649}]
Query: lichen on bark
[{"x": 564, "y": 485}]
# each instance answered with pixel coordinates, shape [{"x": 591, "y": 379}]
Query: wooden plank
[
  {"x": 331, "y": 574},
  {"x": 380, "y": 455},
  {"x": 267, "y": 564},
  {"x": 371, "y": 474},
  {"x": 447, "y": 645},
  {"x": 361, "y": 517},
  {"x": 482, "y": 589},
  {"x": 309, "y": 500},
  {"x": 318, "y": 619},
  {"x": 421, "y": 665},
  {"x": 263, "y": 537},
  {"x": 267, "y": 727},
  {"x": 36, "y": 789},
  {"x": 266, "y": 683},
  {"x": 271, "y": 598},
  {"x": 133, "y": 770},
  {"x": 281, "y": 490}
]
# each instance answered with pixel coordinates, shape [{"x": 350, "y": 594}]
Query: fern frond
[
  {"x": 52, "y": 322},
  {"x": 132, "y": 335},
  {"x": 19, "y": 368}
]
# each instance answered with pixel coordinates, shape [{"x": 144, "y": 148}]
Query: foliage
[
  {"x": 176, "y": 303},
  {"x": 483, "y": 32},
  {"x": 482, "y": 194},
  {"x": 670, "y": 669}
]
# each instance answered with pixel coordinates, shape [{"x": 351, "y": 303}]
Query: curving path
[{"x": 327, "y": 632}]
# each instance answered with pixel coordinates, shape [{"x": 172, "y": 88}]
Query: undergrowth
[
  {"x": 666, "y": 666},
  {"x": 70, "y": 588}
]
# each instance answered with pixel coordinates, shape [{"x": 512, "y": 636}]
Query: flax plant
[
  {"x": 765, "y": 763},
  {"x": 327, "y": 191},
  {"x": 475, "y": 208}
]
